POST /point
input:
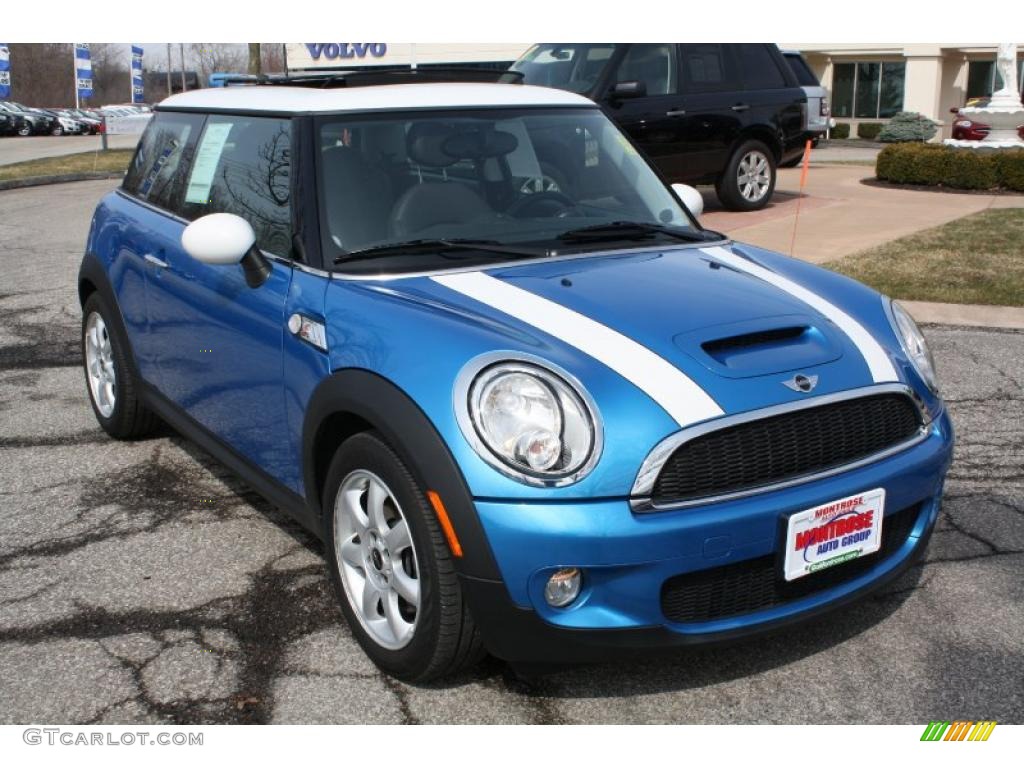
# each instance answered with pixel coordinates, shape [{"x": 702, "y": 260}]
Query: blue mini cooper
[{"x": 467, "y": 336}]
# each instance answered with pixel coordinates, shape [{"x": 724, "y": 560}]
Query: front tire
[
  {"x": 391, "y": 567},
  {"x": 113, "y": 389},
  {"x": 748, "y": 181}
]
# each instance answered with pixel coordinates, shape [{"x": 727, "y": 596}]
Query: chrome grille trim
[{"x": 640, "y": 496}]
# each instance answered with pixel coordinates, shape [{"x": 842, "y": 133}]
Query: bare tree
[
  {"x": 255, "y": 64},
  {"x": 43, "y": 74},
  {"x": 273, "y": 56},
  {"x": 218, "y": 57}
]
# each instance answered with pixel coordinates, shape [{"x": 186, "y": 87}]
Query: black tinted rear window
[
  {"x": 803, "y": 73},
  {"x": 758, "y": 67}
]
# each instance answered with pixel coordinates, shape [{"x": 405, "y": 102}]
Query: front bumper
[{"x": 627, "y": 557}]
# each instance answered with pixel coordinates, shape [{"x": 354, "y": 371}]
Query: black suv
[{"x": 703, "y": 112}]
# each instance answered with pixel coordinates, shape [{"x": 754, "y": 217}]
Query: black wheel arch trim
[
  {"x": 91, "y": 272},
  {"x": 381, "y": 404}
]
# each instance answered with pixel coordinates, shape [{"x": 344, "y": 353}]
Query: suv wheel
[
  {"x": 391, "y": 566},
  {"x": 749, "y": 178},
  {"x": 111, "y": 384}
]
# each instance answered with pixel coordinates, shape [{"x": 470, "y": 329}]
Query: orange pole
[{"x": 803, "y": 183}]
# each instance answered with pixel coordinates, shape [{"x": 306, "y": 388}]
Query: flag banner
[
  {"x": 83, "y": 70},
  {"x": 5, "y": 71},
  {"x": 138, "y": 91}
]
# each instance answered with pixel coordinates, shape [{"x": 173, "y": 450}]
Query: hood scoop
[{"x": 763, "y": 346}]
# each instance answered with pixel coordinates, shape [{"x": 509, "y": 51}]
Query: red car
[{"x": 965, "y": 129}]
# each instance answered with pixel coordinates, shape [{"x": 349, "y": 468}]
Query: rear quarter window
[
  {"x": 158, "y": 169},
  {"x": 758, "y": 67},
  {"x": 803, "y": 73}
]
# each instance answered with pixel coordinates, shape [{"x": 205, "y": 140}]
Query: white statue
[{"x": 1006, "y": 66}]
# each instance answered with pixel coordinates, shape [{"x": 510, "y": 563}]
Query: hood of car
[
  {"x": 703, "y": 330},
  {"x": 661, "y": 338}
]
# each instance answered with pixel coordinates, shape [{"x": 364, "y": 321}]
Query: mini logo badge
[{"x": 801, "y": 383}]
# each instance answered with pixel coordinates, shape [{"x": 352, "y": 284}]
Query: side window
[
  {"x": 758, "y": 67},
  {"x": 707, "y": 68},
  {"x": 157, "y": 171},
  {"x": 243, "y": 166},
  {"x": 655, "y": 65}
]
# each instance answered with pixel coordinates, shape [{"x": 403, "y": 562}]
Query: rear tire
[
  {"x": 375, "y": 561},
  {"x": 748, "y": 181},
  {"x": 109, "y": 377}
]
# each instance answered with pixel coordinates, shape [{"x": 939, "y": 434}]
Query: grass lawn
[
  {"x": 113, "y": 160},
  {"x": 978, "y": 259}
]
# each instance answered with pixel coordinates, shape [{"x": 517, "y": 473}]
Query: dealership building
[
  {"x": 868, "y": 82},
  {"x": 871, "y": 83}
]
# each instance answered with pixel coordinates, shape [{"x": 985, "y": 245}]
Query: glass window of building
[{"x": 868, "y": 89}]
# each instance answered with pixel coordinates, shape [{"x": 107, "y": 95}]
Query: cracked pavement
[{"x": 143, "y": 583}]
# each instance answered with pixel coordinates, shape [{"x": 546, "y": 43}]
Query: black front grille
[
  {"x": 778, "y": 448},
  {"x": 754, "y": 585}
]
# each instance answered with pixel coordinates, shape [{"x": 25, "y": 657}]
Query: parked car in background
[
  {"x": 82, "y": 125},
  {"x": 68, "y": 125},
  {"x": 726, "y": 114},
  {"x": 38, "y": 123},
  {"x": 12, "y": 124},
  {"x": 817, "y": 120},
  {"x": 967, "y": 129}
]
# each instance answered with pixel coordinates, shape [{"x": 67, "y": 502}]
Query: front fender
[{"x": 372, "y": 399}]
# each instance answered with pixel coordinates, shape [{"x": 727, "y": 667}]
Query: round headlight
[
  {"x": 914, "y": 345},
  {"x": 533, "y": 422}
]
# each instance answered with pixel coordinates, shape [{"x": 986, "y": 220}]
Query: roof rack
[{"x": 365, "y": 77}]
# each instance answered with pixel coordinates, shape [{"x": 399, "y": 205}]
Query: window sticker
[{"x": 206, "y": 162}]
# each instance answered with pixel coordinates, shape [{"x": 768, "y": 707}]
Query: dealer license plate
[{"x": 833, "y": 533}]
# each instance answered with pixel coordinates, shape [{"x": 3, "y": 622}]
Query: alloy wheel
[
  {"x": 753, "y": 176},
  {"x": 99, "y": 365},
  {"x": 377, "y": 559}
]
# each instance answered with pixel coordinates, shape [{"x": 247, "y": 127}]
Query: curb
[
  {"x": 970, "y": 315},
  {"x": 40, "y": 181}
]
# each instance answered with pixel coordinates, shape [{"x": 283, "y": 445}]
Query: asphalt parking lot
[{"x": 140, "y": 582}]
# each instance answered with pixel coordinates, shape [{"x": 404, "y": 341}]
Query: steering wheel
[{"x": 541, "y": 204}]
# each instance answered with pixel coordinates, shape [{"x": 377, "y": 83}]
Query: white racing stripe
[
  {"x": 669, "y": 387},
  {"x": 878, "y": 361}
]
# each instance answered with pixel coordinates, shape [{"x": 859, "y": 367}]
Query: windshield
[
  {"x": 572, "y": 67},
  {"x": 521, "y": 178}
]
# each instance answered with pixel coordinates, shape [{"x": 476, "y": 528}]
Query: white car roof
[{"x": 287, "y": 99}]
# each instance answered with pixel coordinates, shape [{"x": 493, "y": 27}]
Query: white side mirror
[
  {"x": 691, "y": 198},
  {"x": 218, "y": 238}
]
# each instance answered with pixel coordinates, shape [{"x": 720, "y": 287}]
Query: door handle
[
  {"x": 156, "y": 262},
  {"x": 740, "y": 107},
  {"x": 675, "y": 113}
]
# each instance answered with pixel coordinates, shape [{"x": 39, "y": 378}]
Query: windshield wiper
[
  {"x": 635, "y": 230},
  {"x": 437, "y": 245}
]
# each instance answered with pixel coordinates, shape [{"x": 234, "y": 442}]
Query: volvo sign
[{"x": 301, "y": 56}]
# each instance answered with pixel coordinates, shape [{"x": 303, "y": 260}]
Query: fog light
[{"x": 563, "y": 587}]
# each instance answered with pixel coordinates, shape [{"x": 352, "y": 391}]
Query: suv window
[
  {"x": 803, "y": 73},
  {"x": 758, "y": 67},
  {"x": 242, "y": 165},
  {"x": 572, "y": 67},
  {"x": 707, "y": 68},
  {"x": 654, "y": 65},
  {"x": 153, "y": 175}
]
